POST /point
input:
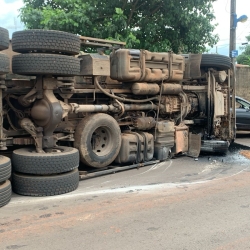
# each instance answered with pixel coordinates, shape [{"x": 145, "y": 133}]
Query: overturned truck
[{"x": 61, "y": 106}]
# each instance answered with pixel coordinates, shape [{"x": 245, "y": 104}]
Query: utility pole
[
  {"x": 233, "y": 24},
  {"x": 232, "y": 45}
]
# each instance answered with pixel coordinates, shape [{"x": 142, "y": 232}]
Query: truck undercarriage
[{"x": 131, "y": 106}]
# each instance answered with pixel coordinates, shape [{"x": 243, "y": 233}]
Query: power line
[{"x": 225, "y": 45}]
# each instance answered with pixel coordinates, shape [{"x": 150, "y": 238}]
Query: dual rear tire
[
  {"x": 45, "y": 52},
  {"x": 97, "y": 144},
  {"x": 5, "y": 185},
  {"x": 4, "y": 39},
  {"x": 45, "y": 174},
  {"x": 4, "y": 44},
  {"x": 46, "y": 185},
  {"x": 5, "y": 163}
]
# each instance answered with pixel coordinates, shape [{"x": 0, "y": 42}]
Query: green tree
[
  {"x": 157, "y": 25},
  {"x": 244, "y": 58}
]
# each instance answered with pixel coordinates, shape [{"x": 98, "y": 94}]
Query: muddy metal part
[
  {"x": 44, "y": 109},
  {"x": 140, "y": 89},
  {"x": 97, "y": 42},
  {"x": 113, "y": 169},
  {"x": 42, "y": 105},
  {"x": 134, "y": 65}
]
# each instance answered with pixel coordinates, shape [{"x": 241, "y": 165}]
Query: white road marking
[
  {"x": 156, "y": 166},
  {"x": 147, "y": 170},
  {"x": 167, "y": 167}
]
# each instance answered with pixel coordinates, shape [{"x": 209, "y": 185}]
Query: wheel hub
[{"x": 100, "y": 141}]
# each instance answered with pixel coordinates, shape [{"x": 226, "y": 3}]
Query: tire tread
[
  {"x": 220, "y": 62},
  {"x": 4, "y": 39},
  {"x": 24, "y": 161},
  {"x": 5, "y": 168},
  {"x": 4, "y": 64},
  {"x": 45, "y": 64},
  {"x": 5, "y": 193},
  {"x": 45, "y": 41},
  {"x": 32, "y": 185}
]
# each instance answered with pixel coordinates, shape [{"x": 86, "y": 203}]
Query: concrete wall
[{"x": 243, "y": 81}]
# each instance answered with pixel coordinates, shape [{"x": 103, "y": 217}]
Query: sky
[
  {"x": 9, "y": 20},
  {"x": 9, "y": 15},
  {"x": 222, "y": 13}
]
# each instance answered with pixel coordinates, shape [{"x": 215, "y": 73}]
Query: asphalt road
[{"x": 178, "y": 204}]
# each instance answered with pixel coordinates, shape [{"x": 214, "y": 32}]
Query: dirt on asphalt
[{"x": 245, "y": 153}]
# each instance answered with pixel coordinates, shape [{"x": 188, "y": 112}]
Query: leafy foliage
[
  {"x": 244, "y": 58},
  {"x": 157, "y": 25}
]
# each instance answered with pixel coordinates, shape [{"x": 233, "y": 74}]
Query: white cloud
[{"x": 9, "y": 15}]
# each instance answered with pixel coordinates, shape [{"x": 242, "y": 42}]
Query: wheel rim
[{"x": 100, "y": 141}]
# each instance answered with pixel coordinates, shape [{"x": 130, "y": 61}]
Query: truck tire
[
  {"x": 4, "y": 64},
  {"x": 47, "y": 185},
  {"x": 4, "y": 39},
  {"x": 98, "y": 139},
  {"x": 5, "y": 168},
  {"x": 5, "y": 193},
  {"x": 27, "y": 160},
  {"x": 45, "y": 64},
  {"x": 219, "y": 62},
  {"x": 45, "y": 41}
]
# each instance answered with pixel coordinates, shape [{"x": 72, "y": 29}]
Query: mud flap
[{"x": 194, "y": 145}]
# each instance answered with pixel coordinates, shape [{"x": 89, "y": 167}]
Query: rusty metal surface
[
  {"x": 146, "y": 67},
  {"x": 181, "y": 139},
  {"x": 94, "y": 65},
  {"x": 153, "y": 88},
  {"x": 135, "y": 148},
  {"x": 99, "y": 42},
  {"x": 171, "y": 104},
  {"x": 165, "y": 133},
  {"x": 144, "y": 88},
  {"x": 144, "y": 123},
  {"x": 23, "y": 141},
  {"x": 192, "y": 65},
  {"x": 194, "y": 145}
]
